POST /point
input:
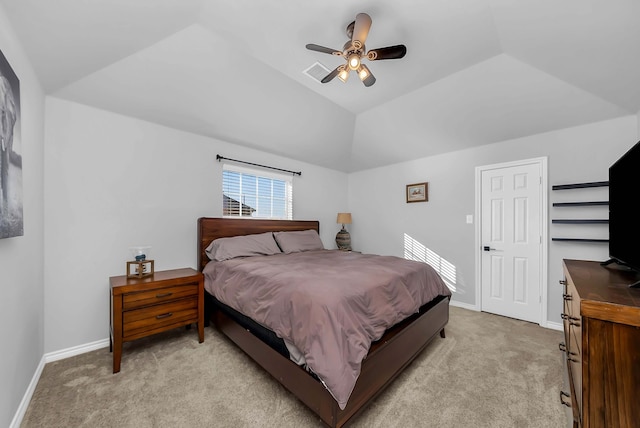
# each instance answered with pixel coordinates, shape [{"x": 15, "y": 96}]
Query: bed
[{"x": 385, "y": 359}]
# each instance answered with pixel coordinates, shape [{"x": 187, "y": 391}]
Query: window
[{"x": 253, "y": 193}]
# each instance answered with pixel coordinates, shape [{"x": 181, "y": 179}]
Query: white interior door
[{"x": 511, "y": 241}]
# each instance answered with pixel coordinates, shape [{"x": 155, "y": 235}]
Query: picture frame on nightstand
[{"x": 140, "y": 268}]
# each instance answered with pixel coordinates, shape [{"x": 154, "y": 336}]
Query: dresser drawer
[
  {"x": 574, "y": 359},
  {"x": 574, "y": 319},
  {"x": 574, "y": 356},
  {"x": 140, "y": 322},
  {"x": 572, "y": 324},
  {"x": 152, "y": 297}
]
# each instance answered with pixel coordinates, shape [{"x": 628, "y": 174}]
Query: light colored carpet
[{"x": 490, "y": 371}]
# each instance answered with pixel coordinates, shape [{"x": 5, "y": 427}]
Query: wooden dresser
[
  {"x": 602, "y": 344},
  {"x": 162, "y": 301}
]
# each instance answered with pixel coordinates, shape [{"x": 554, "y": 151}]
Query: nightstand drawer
[
  {"x": 143, "y": 321},
  {"x": 152, "y": 297}
]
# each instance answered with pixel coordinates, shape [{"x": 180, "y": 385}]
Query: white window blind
[{"x": 248, "y": 192}]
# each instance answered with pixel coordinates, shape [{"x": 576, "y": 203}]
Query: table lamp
[{"x": 343, "y": 239}]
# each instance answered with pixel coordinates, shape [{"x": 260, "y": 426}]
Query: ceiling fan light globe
[
  {"x": 363, "y": 73},
  {"x": 354, "y": 61},
  {"x": 343, "y": 75}
]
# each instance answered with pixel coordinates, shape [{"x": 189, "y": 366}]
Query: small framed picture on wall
[{"x": 418, "y": 192}]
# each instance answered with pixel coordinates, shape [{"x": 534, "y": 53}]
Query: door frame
[{"x": 544, "y": 226}]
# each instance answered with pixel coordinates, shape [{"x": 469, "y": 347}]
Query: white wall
[
  {"x": 113, "y": 182},
  {"x": 21, "y": 275},
  {"x": 381, "y": 216}
]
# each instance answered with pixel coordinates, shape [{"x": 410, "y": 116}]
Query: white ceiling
[{"x": 476, "y": 71}]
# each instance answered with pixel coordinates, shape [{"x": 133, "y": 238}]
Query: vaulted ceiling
[{"x": 476, "y": 71}]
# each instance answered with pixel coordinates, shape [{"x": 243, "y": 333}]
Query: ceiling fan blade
[
  {"x": 361, "y": 29},
  {"x": 390, "y": 52},
  {"x": 318, "y": 48},
  {"x": 369, "y": 79},
  {"x": 329, "y": 77}
]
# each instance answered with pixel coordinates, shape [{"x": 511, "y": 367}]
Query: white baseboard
[
  {"x": 463, "y": 305},
  {"x": 75, "y": 350},
  {"x": 26, "y": 399},
  {"x": 47, "y": 358},
  {"x": 548, "y": 324},
  {"x": 554, "y": 325}
]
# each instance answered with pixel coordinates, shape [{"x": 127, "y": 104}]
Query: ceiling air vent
[{"x": 317, "y": 72}]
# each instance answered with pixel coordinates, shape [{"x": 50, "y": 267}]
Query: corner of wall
[{"x": 23, "y": 302}]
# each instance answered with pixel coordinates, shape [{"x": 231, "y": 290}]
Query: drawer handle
[
  {"x": 562, "y": 396},
  {"x": 564, "y": 349},
  {"x": 563, "y": 282},
  {"x": 572, "y": 320},
  {"x": 572, "y": 359},
  {"x": 167, "y": 315},
  {"x": 160, "y": 296},
  {"x": 567, "y": 297}
]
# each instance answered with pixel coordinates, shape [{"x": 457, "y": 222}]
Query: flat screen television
[{"x": 624, "y": 217}]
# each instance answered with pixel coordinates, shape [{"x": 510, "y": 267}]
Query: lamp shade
[{"x": 344, "y": 218}]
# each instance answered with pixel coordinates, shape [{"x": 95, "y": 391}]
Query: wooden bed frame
[{"x": 385, "y": 361}]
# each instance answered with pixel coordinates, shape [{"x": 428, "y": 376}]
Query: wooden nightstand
[{"x": 144, "y": 306}]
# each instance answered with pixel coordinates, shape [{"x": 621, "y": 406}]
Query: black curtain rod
[{"x": 219, "y": 158}]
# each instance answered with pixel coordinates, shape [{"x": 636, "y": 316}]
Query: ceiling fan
[{"x": 354, "y": 52}]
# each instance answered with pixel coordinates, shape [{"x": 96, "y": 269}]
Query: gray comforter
[{"x": 330, "y": 304}]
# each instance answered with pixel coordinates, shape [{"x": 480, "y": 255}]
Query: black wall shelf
[
  {"x": 580, "y": 185},
  {"x": 580, "y": 204},
  {"x": 579, "y": 240},
  {"x": 581, "y": 221}
]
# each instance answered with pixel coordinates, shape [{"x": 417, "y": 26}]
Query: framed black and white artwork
[{"x": 11, "y": 216}]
